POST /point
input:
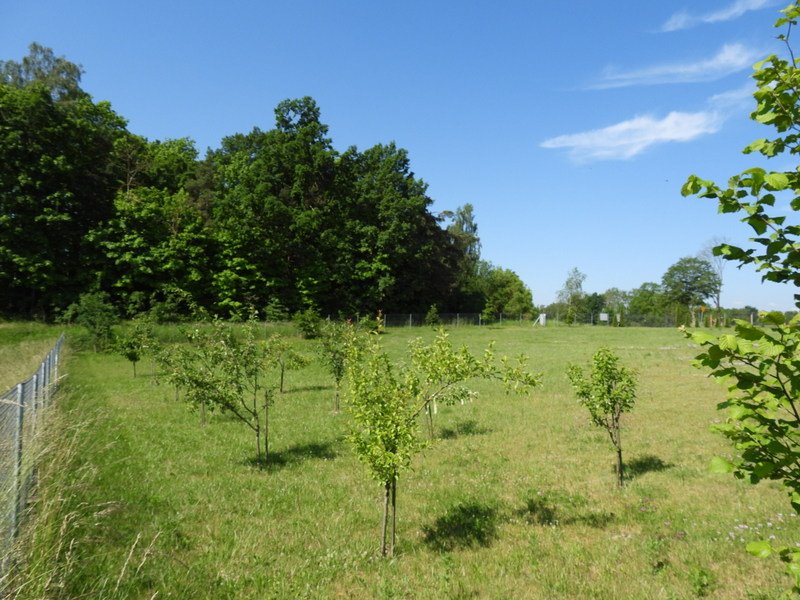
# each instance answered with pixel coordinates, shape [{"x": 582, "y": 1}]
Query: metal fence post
[
  {"x": 18, "y": 458},
  {"x": 34, "y": 398}
]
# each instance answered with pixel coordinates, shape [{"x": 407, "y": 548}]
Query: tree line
[
  {"x": 688, "y": 293},
  {"x": 273, "y": 217}
]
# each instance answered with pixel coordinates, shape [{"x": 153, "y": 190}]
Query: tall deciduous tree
[
  {"x": 158, "y": 238},
  {"x": 717, "y": 264},
  {"x": 572, "y": 293},
  {"x": 469, "y": 293},
  {"x": 648, "y": 304},
  {"x": 57, "y": 182},
  {"x": 505, "y": 292},
  {"x": 690, "y": 282},
  {"x": 41, "y": 66}
]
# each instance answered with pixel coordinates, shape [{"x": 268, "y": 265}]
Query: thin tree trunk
[
  {"x": 430, "y": 420},
  {"x": 258, "y": 424},
  {"x": 203, "y": 413},
  {"x": 134, "y": 369},
  {"x": 336, "y": 398},
  {"x": 266, "y": 426},
  {"x": 258, "y": 446},
  {"x": 282, "y": 371},
  {"x": 386, "y": 494},
  {"x": 394, "y": 514},
  {"x": 615, "y": 438}
]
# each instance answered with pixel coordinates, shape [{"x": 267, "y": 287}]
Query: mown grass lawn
[{"x": 516, "y": 497}]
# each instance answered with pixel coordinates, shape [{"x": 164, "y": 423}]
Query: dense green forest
[{"x": 274, "y": 218}]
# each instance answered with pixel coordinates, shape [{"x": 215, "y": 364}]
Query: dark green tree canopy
[
  {"x": 691, "y": 281},
  {"x": 271, "y": 215}
]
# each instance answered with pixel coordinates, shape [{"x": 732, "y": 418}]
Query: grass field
[{"x": 515, "y": 499}]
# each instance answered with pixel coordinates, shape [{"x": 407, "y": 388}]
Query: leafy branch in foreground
[
  {"x": 609, "y": 391},
  {"x": 761, "y": 365},
  {"x": 386, "y": 400}
]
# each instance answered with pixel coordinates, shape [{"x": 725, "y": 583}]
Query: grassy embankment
[
  {"x": 516, "y": 499},
  {"x": 22, "y": 348}
]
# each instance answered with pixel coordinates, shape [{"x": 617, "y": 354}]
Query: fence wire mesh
[
  {"x": 451, "y": 319},
  {"x": 19, "y": 410}
]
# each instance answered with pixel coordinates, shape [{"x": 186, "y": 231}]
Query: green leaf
[
  {"x": 701, "y": 337},
  {"x": 728, "y": 342},
  {"x": 766, "y": 117},
  {"x": 760, "y": 549},
  {"x": 777, "y": 181}
]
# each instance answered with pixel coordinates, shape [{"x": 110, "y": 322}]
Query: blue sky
[{"x": 570, "y": 127}]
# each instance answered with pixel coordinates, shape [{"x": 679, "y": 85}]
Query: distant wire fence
[
  {"x": 451, "y": 319},
  {"x": 20, "y": 408}
]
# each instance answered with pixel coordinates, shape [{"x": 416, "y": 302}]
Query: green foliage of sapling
[
  {"x": 136, "y": 341},
  {"x": 607, "y": 393},
  {"x": 280, "y": 354},
  {"x": 385, "y": 401},
  {"x": 220, "y": 368}
]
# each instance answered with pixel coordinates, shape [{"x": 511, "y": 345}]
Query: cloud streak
[
  {"x": 731, "y": 58},
  {"x": 627, "y": 139},
  {"x": 684, "y": 20}
]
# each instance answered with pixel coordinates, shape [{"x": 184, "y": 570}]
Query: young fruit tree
[
  {"x": 136, "y": 341},
  {"x": 386, "y": 399},
  {"x": 222, "y": 368},
  {"x": 281, "y": 355},
  {"x": 760, "y": 364},
  {"x": 609, "y": 391},
  {"x": 333, "y": 351}
]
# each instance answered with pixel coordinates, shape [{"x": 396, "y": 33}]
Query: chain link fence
[
  {"x": 19, "y": 410},
  {"x": 451, "y": 319}
]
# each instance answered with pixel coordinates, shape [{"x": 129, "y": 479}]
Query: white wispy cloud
[
  {"x": 736, "y": 100},
  {"x": 731, "y": 58},
  {"x": 684, "y": 19},
  {"x": 630, "y": 138},
  {"x": 627, "y": 139}
]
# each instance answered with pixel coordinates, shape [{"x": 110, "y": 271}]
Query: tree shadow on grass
[
  {"x": 645, "y": 464},
  {"x": 307, "y": 388},
  {"x": 553, "y": 509},
  {"x": 463, "y": 428},
  {"x": 464, "y": 525},
  {"x": 296, "y": 454}
]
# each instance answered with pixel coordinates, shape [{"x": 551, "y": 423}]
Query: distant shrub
[
  {"x": 276, "y": 312},
  {"x": 94, "y": 312},
  {"x": 308, "y": 322},
  {"x": 432, "y": 317}
]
